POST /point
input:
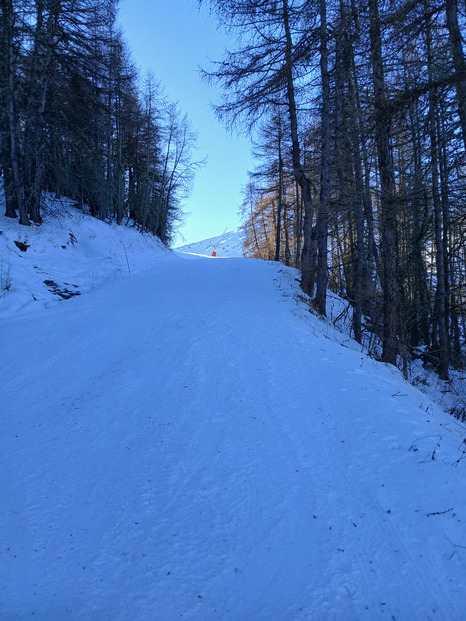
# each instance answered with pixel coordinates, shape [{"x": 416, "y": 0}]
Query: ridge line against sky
[{"x": 173, "y": 40}]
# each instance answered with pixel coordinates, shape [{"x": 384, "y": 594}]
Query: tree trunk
[
  {"x": 419, "y": 330},
  {"x": 10, "y": 104},
  {"x": 387, "y": 190},
  {"x": 451, "y": 8},
  {"x": 440, "y": 301},
  {"x": 350, "y": 140},
  {"x": 280, "y": 195},
  {"x": 307, "y": 278},
  {"x": 38, "y": 87},
  {"x": 287, "y": 234},
  {"x": 11, "y": 204},
  {"x": 371, "y": 259},
  {"x": 323, "y": 215}
]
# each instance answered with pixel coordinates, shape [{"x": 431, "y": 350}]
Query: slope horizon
[{"x": 228, "y": 244}]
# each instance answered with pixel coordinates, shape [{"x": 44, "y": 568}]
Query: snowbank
[{"x": 69, "y": 254}]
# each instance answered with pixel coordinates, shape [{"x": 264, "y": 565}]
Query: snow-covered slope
[
  {"x": 230, "y": 244},
  {"x": 189, "y": 442},
  {"x": 70, "y": 254}
]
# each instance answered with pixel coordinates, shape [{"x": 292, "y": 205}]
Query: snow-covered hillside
[
  {"x": 188, "y": 441},
  {"x": 230, "y": 244},
  {"x": 70, "y": 254}
]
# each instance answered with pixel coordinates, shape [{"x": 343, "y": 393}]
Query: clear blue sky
[{"x": 173, "y": 39}]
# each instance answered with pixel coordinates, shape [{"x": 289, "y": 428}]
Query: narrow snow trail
[{"x": 187, "y": 443}]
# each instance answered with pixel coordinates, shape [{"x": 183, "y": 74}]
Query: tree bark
[
  {"x": 350, "y": 163},
  {"x": 451, "y": 8},
  {"x": 38, "y": 85},
  {"x": 307, "y": 276},
  {"x": 280, "y": 193},
  {"x": 10, "y": 104},
  {"x": 323, "y": 215},
  {"x": 437, "y": 208},
  {"x": 387, "y": 190}
]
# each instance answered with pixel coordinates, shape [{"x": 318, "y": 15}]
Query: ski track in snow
[{"x": 186, "y": 443}]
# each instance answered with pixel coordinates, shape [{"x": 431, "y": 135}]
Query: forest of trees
[
  {"x": 359, "y": 117},
  {"x": 77, "y": 121},
  {"x": 358, "y": 113}
]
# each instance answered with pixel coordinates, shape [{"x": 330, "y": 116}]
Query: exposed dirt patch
[{"x": 62, "y": 291}]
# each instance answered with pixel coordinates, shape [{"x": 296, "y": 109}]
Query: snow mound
[
  {"x": 230, "y": 244},
  {"x": 69, "y": 254}
]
